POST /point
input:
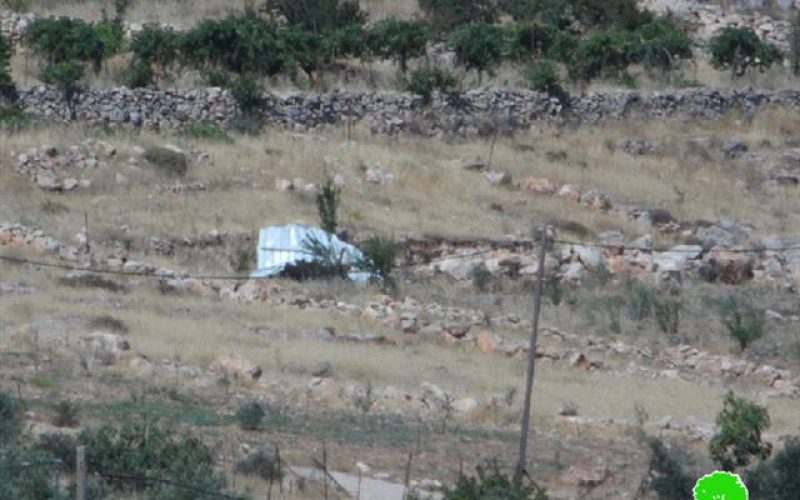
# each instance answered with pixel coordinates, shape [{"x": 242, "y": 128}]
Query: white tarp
[{"x": 279, "y": 246}]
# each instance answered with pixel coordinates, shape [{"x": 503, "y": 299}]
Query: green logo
[{"x": 720, "y": 486}]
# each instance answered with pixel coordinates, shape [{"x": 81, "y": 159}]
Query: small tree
[
  {"x": 744, "y": 321},
  {"x": 250, "y": 415},
  {"x": 740, "y": 49},
  {"x": 738, "y": 438},
  {"x": 399, "y": 40},
  {"x": 478, "y": 46},
  {"x": 667, "y": 477},
  {"x": 380, "y": 254},
  {"x": 328, "y": 204},
  {"x": 445, "y": 15}
]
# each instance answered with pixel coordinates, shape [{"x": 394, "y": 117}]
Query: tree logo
[{"x": 720, "y": 486}]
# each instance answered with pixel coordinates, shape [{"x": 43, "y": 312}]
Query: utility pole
[
  {"x": 80, "y": 473},
  {"x": 526, "y": 409}
]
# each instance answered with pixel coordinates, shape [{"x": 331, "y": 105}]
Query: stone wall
[{"x": 468, "y": 114}]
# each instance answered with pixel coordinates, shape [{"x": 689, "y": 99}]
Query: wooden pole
[
  {"x": 80, "y": 473},
  {"x": 526, "y": 409}
]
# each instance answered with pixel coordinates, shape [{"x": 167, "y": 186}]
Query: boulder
[
  {"x": 537, "y": 185},
  {"x": 570, "y": 192}
]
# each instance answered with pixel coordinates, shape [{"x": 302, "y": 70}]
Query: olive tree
[
  {"x": 478, "y": 46},
  {"x": 740, "y": 49},
  {"x": 399, "y": 40}
]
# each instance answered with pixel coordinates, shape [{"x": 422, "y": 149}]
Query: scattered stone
[
  {"x": 639, "y": 147},
  {"x": 596, "y": 200},
  {"x": 236, "y": 366}
]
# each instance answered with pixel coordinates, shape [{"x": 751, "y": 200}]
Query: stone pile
[{"x": 54, "y": 169}]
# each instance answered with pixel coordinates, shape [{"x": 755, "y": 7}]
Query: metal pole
[
  {"x": 526, "y": 409},
  {"x": 80, "y": 473}
]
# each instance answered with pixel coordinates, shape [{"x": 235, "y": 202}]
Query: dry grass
[
  {"x": 196, "y": 331},
  {"x": 430, "y": 193}
]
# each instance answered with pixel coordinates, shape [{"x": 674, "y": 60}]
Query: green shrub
[
  {"x": 13, "y": 118},
  {"x": 661, "y": 46},
  {"x": 380, "y": 255},
  {"x": 66, "y": 414},
  {"x": 250, "y": 415},
  {"x": 263, "y": 464},
  {"x": 543, "y": 77},
  {"x": 481, "y": 277},
  {"x": 740, "y": 49},
  {"x": 612, "y": 306},
  {"x": 111, "y": 37},
  {"x": 778, "y": 478},
  {"x": 744, "y": 321},
  {"x": 426, "y": 80},
  {"x": 668, "y": 314},
  {"x": 28, "y": 483},
  {"x": 167, "y": 161},
  {"x": 151, "y": 450},
  {"x": 243, "y": 259},
  {"x": 641, "y": 301},
  {"x": 445, "y": 15},
  {"x": 59, "y": 446},
  {"x": 491, "y": 483},
  {"x": 478, "y": 46},
  {"x": 667, "y": 477},
  {"x": 328, "y": 201},
  {"x": 10, "y": 418},
  {"x": 606, "y": 53},
  {"x": 738, "y": 438}
]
